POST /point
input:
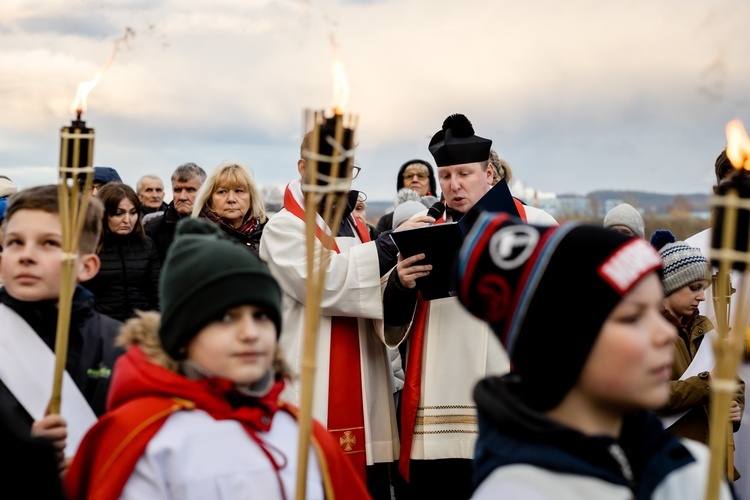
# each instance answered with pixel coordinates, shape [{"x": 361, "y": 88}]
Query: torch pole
[
  {"x": 728, "y": 348},
  {"x": 335, "y": 202},
  {"x": 76, "y": 158}
]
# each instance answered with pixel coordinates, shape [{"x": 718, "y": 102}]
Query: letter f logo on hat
[{"x": 511, "y": 246}]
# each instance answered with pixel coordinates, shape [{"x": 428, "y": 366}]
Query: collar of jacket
[{"x": 512, "y": 433}]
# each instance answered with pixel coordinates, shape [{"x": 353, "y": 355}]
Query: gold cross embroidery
[{"x": 348, "y": 440}]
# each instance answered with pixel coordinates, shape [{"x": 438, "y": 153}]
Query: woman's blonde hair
[{"x": 230, "y": 175}]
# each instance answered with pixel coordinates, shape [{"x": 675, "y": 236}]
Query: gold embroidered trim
[
  {"x": 345, "y": 429},
  {"x": 451, "y": 431},
  {"x": 446, "y": 419},
  {"x": 449, "y": 407}
]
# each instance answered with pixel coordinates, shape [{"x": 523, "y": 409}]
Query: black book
[{"x": 441, "y": 242}]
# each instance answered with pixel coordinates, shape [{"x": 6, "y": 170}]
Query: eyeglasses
[
  {"x": 420, "y": 175},
  {"x": 355, "y": 172}
]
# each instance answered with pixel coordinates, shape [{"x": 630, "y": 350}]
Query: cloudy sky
[{"x": 577, "y": 95}]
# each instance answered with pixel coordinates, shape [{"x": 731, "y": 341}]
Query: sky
[{"x": 578, "y": 96}]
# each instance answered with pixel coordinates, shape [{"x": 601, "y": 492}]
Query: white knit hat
[
  {"x": 406, "y": 211},
  {"x": 625, "y": 215}
]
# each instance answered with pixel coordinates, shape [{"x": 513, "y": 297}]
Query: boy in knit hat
[
  {"x": 626, "y": 219},
  {"x": 570, "y": 421},
  {"x": 194, "y": 411},
  {"x": 686, "y": 276}
]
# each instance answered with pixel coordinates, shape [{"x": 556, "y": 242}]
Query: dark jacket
[
  {"x": 129, "y": 276},
  {"x": 161, "y": 230},
  {"x": 511, "y": 433},
  {"x": 250, "y": 237},
  {"x": 91, "y": 350},
  {"x": 148, "y": 210}
]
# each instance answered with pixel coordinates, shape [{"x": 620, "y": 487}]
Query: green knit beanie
[{"x": 203, "y": 276}]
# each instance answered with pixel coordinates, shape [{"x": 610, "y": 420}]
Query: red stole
[
  {"x": 346, "y": 419},
  {"x": 413, "y": 380}
]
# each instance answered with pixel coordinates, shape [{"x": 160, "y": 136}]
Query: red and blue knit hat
[{"x": 546, "y": 292}]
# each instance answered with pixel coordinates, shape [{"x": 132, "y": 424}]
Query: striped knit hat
[
  {"x": 683, "y": 264},
  {"x": 524, "y": 280}
]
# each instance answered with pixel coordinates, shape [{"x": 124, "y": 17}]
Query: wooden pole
[
  {"x": 76, "y": 158},
  {"x": 335, "y": 203},
  {"x": 730, "y": 343}
]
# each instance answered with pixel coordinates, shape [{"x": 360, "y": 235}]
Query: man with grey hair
[
  {"x": 150, "y": 191},
  {"x": 186, "y": 181}
]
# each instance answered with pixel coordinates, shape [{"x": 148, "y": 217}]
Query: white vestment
[{"x": 352, "y": 288}]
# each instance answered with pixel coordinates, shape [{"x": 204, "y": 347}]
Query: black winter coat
[
  {"x": 161, "y": 230},
  {"x": 91, "y": 351},
  {"x": 129, "y": 276}
]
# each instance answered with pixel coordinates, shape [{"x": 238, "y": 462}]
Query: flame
[
  {"x": 738, "y": 145},
  {"x": 84, "y": 88},
  {"x": 340, "y": 80}
]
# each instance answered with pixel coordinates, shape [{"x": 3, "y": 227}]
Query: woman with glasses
[{"x": 415, "y": 181}]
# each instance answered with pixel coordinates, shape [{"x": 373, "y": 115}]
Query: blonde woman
[{"x": 231, "y": 199}]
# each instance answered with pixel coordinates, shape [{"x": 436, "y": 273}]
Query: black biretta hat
[
  {"x": 524, "y": 279},
  {"x": 456, "y": 143}
]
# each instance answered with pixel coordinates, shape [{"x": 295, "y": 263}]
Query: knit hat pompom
[
  {"x": 522, "y": 279},
  {"x": 661, "y": 237},
  {"x": 459, "y": 124},
  {"x": 683, "y": 264},
  {"x": 626, "y": 215},
  {"x": 204, "y": 275}
]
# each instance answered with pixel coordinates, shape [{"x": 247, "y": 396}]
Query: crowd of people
[{"x": 188, "y": 319}]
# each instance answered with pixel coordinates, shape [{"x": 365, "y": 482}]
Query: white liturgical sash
[
  {"x": 27, "y": 366},
  {"x": 702, "y": 362}
]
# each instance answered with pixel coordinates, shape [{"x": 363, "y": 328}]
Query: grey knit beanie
[
  {"x": 625, "y": 215},
  {"x": 683, "y": 264}
]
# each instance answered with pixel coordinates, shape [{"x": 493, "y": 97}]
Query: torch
[
  {"x": 74, "y": 192},
  {"x": 729, "y": 251},
  {"x": 328, "y": 150}
]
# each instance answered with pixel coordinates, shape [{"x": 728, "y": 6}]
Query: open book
[{"x": 441, "y": 242}]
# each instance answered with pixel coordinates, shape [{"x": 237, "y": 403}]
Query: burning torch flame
[
  {"x": 78, "y": 105},
  {"x": 738, "y": 145},
  {"x": 340, "y": 81}
]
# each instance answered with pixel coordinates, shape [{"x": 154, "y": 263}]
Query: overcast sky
[{"x": 577, "y": 95}]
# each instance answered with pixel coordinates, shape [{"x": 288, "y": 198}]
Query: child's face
[
  {"x": 240, "y": 347},
  {"x": 631, "y": 362},
  {"x": 31, "y": 257},
  {"x": 684, "y": 302}
]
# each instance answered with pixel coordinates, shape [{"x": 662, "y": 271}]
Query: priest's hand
[
  {"x": 409, "y": 270},
  {"x": 735, "y": 412},
  {"x": 423, "y": 220},
  {"x": 54, "y": 428}
]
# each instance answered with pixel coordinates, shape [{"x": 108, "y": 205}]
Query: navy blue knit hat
[{"x": 522, "y": 279}]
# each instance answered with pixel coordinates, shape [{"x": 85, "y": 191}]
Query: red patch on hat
[{"x": 628, "y": 264}]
